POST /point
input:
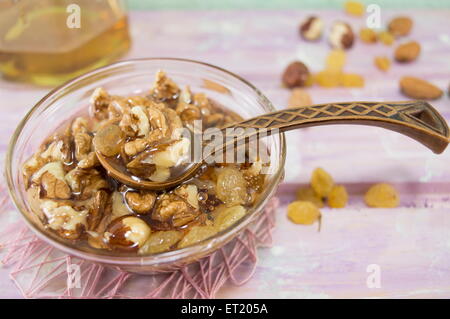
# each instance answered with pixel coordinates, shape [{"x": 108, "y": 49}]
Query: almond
[
  {"x": 416, "y": 88},
  {"x": 400, "y": 26},
  {"x": 407, "y": 52}
]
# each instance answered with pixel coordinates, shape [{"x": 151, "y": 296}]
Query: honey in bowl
[{"x": 73, "y": 196}]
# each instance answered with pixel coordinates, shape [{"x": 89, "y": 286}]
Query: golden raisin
[
  {"x": 301, "y": 212},
  {"x": 368, "y": 35},
  {"x": 352, "y": 80},
  {"x": 299, "y": 97},
  {"x": 355, "y": 8},
  {"x": 383, "y": 63},
  {"x": 335, "y": 60},
  {"x": 309, "y": 195},
  {"x": 328, "y": 79},
  {"x": 386, "y": 37},
  {"x": 382, "y": 195},
  {"x": 321, "y": 182},
  {"x": 338, "y": 197}
]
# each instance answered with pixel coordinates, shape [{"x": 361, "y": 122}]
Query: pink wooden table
[{"x": 410, "y": 244}]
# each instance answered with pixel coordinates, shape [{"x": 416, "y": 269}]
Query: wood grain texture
[{"x": 410, "y": 244}]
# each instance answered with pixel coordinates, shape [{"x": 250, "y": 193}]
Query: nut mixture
[{"x": 74, "y": 198}]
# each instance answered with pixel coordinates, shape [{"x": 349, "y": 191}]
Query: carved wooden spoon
[{"x": 416, "y": 119}]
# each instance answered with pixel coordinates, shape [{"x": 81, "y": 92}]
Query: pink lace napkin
[{"x": 41, "y": 271}]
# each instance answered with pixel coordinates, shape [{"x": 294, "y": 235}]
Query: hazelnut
[
  {"x": 127, "y": 232},
  {"x": 311, "y": 29},
  {"x": 407, "y": 52},
  {"x": 400, "y": 26},
  {"x": 341, "y": 36},
  {"x": 296, "y": 74}
]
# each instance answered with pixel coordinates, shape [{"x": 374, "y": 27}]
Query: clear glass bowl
[{"x": 135, "y": 76}]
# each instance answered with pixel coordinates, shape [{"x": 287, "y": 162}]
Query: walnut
[
  {"x": 175, "y": 124},
  {"x": 30, "y": 167},
  {"x": 185, "y": 110},
  {"x": 100, "y": 206},
  {"x": 83, "y": 142},
  {"x": 53, "y": 151},
  {"x": 79, "y": 125},
  {"x": 119, "y": 208},
  {"x": 140, "y": 202},
  {"x": 51, "y": 179},
  {"x": 52, "y": 187},
  {"x": 172, "y": 155},
  {"x": 158, "y": 120},
  {"x": 174, "y": 210},
  {"x": 90, "y": 161},
  {"x": 100, "y": 100},
  {"x": 64, "y": 219},
  {"x": 188, "y": 193},
  {"x": 164, "y": 88},
  {"x": 136, "y": 146},
  {"x": 161, "y": 174},
  {"x": 85, "y": 182}
]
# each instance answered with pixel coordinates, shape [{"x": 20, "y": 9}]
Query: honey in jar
[{"x": 50, "y": 41}]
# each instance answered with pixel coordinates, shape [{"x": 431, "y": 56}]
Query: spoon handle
[{"x": 416, "y": 119}]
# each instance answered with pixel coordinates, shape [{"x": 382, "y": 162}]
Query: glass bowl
[{"x": 131, "y": 77}]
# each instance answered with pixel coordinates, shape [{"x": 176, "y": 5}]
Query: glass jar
[
  {"x": 48, "y": 42},
  {"x": 123, "y": 78}
]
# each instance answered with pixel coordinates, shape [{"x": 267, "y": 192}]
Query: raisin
[
  {"x": 386, "y": 37},
  {"x": 368, "y": 35},
  {"x": 383, "y": 63},
  {"x": 309, "y": 195},
  {"x": 382, "y": 195},
  {"x": 321, "y": 182},
  {"x": 328, "y": 79},
  {"x": 301, "y": 212},
  {"x": 351, "y": 80},
  {"x": 335, "y": 60},
  {"x": 355, "y": 8},
  {"x": 299, "y": 97},
  {"x": 338, "y": 197}
]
